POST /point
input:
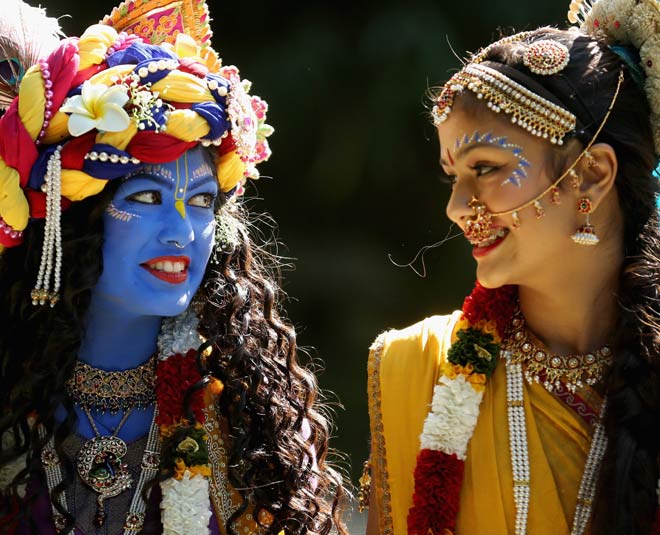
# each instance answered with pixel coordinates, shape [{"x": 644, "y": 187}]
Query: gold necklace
[
  {"x": 104, "y": 391},
  {"x": 550, "y": 369}
]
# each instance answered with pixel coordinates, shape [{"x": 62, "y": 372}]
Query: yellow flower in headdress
[{"x": 98, "y": 106}]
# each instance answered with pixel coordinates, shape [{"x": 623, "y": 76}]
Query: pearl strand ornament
[
  {"x": 51, "y": 253},
  {"x": 520, "y": 457}
]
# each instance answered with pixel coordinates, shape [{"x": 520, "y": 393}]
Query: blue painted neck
[{"x": 114, "y": 339}]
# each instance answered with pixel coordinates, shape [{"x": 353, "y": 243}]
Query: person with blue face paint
[{"x": 149, "y": 381}]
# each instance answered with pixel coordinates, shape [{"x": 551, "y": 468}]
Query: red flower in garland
[
  {"x": 174, "y": 377},
  {"x": 497, "y": 305},
  {"x": 435, "y": 502}
]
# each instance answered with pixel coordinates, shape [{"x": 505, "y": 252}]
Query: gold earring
[{"x": 586, "y": 234}]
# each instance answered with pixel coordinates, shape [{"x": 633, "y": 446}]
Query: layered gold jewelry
[
  {"x": 482, "y": 218},
  {"x": 103, "y": 391},
  {"x": 535, "y": 114},
  {"x": 549, "y": 369}
]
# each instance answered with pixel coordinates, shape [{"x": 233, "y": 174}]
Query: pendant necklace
[{"x": 100, "y": 465}]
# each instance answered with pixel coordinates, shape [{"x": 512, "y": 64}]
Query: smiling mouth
[
  {"x": 172, "y": 269},
  {"x": 497, "y": 235}
]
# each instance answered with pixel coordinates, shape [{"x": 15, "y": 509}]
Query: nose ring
[
  {"x": 177, "y": 244},
  {"x": 479, "y": 225}
]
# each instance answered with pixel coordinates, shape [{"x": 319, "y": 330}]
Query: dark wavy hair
[
  {"x": 626, "y": 499},
  {"x": 276, "y": 420}
]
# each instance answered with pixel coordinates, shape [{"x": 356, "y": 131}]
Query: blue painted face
[{"x": 159, "y": 234}]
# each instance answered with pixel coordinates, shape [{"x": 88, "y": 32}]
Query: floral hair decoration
[{"x": 127, "y": 92}]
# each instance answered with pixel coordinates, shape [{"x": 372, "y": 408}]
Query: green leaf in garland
[
  {"x": 477, "y": 348},
  {"x": 188, "y": 444}
]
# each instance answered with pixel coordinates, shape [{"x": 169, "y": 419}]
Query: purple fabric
[{"x": 41, "y": 514}]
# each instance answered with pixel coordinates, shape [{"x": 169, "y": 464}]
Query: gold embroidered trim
[
  {"x": 224, "y": 498},
  {"x": 380, "y": 476}
]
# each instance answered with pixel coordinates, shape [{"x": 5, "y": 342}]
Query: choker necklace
[
  {"x": 104, "y": 391},
  {"x": 550, "y": 369}
]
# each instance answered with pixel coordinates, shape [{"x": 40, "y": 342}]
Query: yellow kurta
[{"x": 403, "y": 370}]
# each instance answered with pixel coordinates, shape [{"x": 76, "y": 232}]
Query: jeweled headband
[{"x": 495, "y": 85}]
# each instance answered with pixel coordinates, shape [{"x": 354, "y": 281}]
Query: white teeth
[
  {"x": 168, "y": 267},
  {"x": 499, "y": 233}
]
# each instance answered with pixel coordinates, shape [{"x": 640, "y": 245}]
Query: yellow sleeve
[{"x": 403, "y": 368}]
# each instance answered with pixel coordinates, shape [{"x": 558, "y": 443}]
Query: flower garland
[
  {"x": 185, "y": 506},
  {"x": 448, "y": 428}
]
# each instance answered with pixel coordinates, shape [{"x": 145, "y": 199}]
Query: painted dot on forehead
[{"x": 521, "y": 170}]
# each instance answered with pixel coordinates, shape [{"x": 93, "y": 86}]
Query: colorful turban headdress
[{"x": 141, "y": 87}]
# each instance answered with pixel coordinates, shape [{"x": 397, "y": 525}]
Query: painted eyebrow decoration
[
  {"x": 121, "y": 215},
  {"x": 203, "y": 170},
  {"x": 502, "y": 142}
]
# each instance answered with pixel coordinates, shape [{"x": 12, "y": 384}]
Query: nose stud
[{"x": 479, "y": 225}]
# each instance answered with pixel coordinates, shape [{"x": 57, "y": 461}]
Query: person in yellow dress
[{"x": 536, "y": 408}]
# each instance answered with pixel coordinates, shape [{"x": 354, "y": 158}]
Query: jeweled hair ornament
[
  {"x": 495, "y": 85},
  {"x": 479, "y": 227}
]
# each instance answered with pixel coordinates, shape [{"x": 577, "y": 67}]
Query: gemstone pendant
[{"x": 101, "y": 467}]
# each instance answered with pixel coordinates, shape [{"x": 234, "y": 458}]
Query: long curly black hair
[
  {"x": 626, "y": 499},
  {"x": 278, "y": 426}
]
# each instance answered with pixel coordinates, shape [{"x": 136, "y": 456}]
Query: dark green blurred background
[{"x": 354, "y": 170}]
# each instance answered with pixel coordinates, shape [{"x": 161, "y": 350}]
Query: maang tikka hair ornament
[{"x": 536, "y": 114}]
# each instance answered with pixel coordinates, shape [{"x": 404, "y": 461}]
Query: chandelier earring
[{"x": 586, "y": 234}]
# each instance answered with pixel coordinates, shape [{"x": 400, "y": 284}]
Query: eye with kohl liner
[
  {"x": 202, "y": 200},
  {"x": 145, "y": 197}
]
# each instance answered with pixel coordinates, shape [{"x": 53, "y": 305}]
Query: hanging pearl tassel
[{"x": 51, "y": 253}]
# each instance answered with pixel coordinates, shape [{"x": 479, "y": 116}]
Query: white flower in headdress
[
  {"x": 649, "y": 54},
  {"x": 623, "y": 11},
  {"x": 600, "y": 21},
  {"x": 652, "y": 87},
  {"x": 643, "y": 23},
  {"x": 98, "y": 106}
]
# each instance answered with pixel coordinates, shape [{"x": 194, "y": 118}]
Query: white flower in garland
[
  {"x": 179, "y": 335},
  {"x": 186, "y": 507},
  {"x": 454, "y": 411}
]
